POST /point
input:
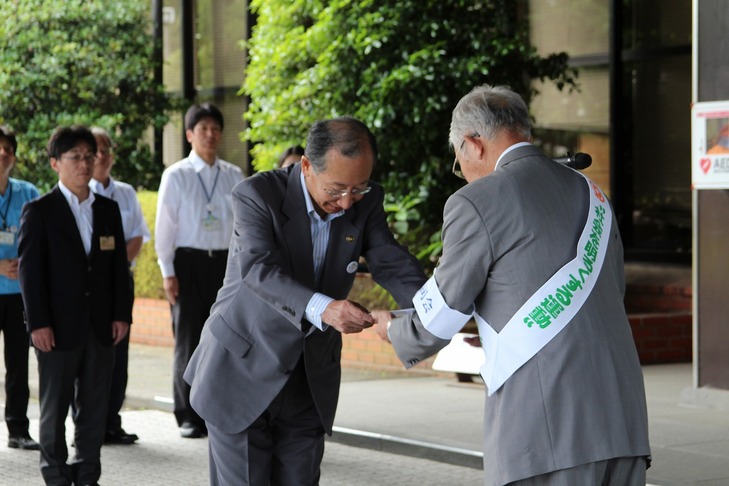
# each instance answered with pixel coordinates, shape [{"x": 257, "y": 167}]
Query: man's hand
[
  {"x": 172, "y": 289},
  {"x": 43, "y": 339},
  {"x": 347, "y": 317},
  {"x": 9, "y": 268},
  {"x": 119, "y": 329},
  {"x": 382, "y": 318}
]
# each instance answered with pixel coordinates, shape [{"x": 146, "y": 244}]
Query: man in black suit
[{"x": 74, "y": 280}]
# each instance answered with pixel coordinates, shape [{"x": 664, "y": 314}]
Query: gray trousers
[
  {"x": 621, "y": 471},
  {"x": 284, "y": 446}
]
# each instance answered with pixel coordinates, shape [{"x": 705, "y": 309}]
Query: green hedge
[{"x": 147, "y": 277}]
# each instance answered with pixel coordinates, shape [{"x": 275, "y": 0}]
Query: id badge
[
  {"x": 211, "y": 223},
  {"x": 106, "y": 243},
  {"x": 7, "y": 238}
]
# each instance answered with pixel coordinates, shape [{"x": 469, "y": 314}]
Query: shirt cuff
[
  {"x": 315, "y": 308},
  {"x": 168, "y": 269}
]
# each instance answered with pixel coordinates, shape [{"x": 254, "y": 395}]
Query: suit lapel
[
  {"x": 102, "y": 225},
  {"x": 297, "y": 230},
  {"x": 64, "y": 218}
]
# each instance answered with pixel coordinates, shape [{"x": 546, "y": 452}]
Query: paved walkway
[{"x": 392, "y": 430}]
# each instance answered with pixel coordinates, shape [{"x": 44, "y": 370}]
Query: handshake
[{"x": 350, "y": 317}]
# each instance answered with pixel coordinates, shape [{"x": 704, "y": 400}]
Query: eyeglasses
[
  {"x": 76, "y": 158},
  {"x": 355, "y": 191},
  {"x": 457, "y": 165}
]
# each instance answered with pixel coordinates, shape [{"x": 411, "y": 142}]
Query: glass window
[
  {"x": 220, "y": 26},
  {"x": 172, "y": 46},
  {"x": 578, "y": 28},
  {"x": 655, "y": 129},
  {"x": 659, "y": 154}
]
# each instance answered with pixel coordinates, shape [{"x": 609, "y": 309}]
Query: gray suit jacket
[
  {"x": 257, "y": 331},
  {"x": 580, "y": 399}
]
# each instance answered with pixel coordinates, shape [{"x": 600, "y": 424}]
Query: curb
[{"x": 407, "y": 447}]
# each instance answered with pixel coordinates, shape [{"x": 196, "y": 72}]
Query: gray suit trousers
[
  {"x": 620, "y": 471},
  {"x": 284, "y": 446}
]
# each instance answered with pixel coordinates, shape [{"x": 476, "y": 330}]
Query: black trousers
[
  {"x": 200, "y": 275},
  {"x": 120, "y": 375},
  {"x": 82, "y": 376},
  {"x": 17, "y": 345}
]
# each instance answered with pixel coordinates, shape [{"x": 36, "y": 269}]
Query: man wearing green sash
[{"x": 531, "y": 251}]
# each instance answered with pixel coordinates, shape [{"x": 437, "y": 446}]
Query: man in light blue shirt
[{"x": 14, "y": 194}]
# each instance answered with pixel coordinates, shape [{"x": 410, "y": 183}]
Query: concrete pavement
[{"x": 392, "y": 429}]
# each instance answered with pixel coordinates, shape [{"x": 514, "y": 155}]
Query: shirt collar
[
  {"x": 199, "y": 164},
  {"x": 71, "y": 197},
  {"x": 310, "y": 204},
  {"x": 98, "y": 187},
  {"x": 509, "y": 149}
]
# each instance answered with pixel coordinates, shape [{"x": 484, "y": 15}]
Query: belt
[{"x": 207, "y": 253}]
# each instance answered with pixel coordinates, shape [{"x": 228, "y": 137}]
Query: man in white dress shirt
[
  {"x": 192, "y": 232},
  {"x": 136, "y": 233}
]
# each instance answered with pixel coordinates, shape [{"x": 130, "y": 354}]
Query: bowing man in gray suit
[
  {"x": 265, "y": 376},
  {"x": 532, "y": 252}
]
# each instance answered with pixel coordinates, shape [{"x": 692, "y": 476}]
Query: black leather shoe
[
  {"x": 189, "y": 430},
  {"x": 22, "y": 442},
  {"x": 119, "y": 436}
]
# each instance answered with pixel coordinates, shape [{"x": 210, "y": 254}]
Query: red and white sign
[{"x": 710, "y": 145}]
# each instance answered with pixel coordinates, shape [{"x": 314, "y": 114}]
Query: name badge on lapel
[{"x": 106, "y": 243}]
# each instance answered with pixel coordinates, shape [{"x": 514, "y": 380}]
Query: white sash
[
  {"x": 435, "y": 315},
  {"x": 551, "y": 307}
]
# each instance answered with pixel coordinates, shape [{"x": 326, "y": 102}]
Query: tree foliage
[
  {"x": 74, "y": 61},
  {"x": 399, "y": 66}
]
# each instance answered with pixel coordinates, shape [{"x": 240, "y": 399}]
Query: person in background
[
  {"x": 266, "y": 374},
  {"x": 720, "y": 144},
  {"x": 290, "y": 156},
  {"x": 192, "y": 232},
  {"x": 136, "y": 234},
  {"x": 74, "y": 278},
  {"x": 532, "y": 252},
  {"x": 14, "y": 194}
]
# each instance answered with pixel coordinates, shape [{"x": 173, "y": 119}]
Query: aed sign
[{"x": 710, "y": 145}]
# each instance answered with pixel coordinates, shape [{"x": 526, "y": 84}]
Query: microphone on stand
[{"x": 577, "y": 161}]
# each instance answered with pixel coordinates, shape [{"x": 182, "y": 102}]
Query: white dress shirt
[
  {"x": 131, "y": 212},
  {"x": 83, "y": 214},
  {"x": 193, "y": 210}
]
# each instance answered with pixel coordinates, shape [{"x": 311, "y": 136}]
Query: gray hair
[
  {"x": 103, "y": 133},
  {"x": 346, "y": 134},
  {"x": 488, "y": 110}
]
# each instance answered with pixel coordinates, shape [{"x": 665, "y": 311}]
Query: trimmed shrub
[{"x": 147, "y": 276}]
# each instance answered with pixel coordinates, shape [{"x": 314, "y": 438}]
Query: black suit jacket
[{"x": 64, "y": 288}]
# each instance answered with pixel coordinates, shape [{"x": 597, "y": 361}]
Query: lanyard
[
  {"x": 7, "y": 206},
  {"x": 209, "y": 197}
]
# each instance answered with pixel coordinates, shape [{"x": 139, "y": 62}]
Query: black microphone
[{"x": 577, "y": 161}]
